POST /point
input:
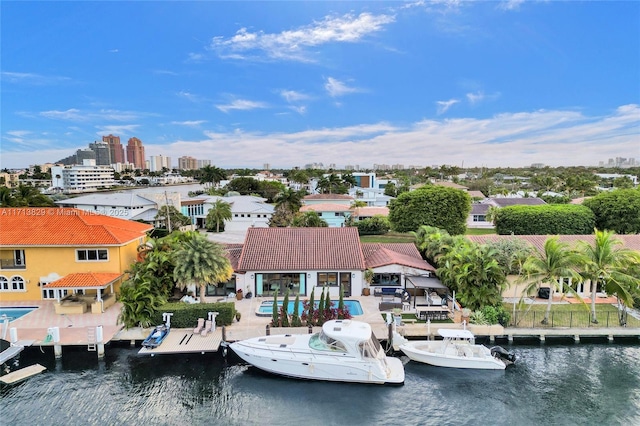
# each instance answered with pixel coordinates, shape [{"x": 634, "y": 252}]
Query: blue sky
[{"x": 347, "y": 83}]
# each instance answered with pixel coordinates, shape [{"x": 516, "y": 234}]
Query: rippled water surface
[{"x": 582, "y": 384}]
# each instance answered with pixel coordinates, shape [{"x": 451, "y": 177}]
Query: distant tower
[
  {"x": 135, "y": 153},
  {"x": 103, "y": 154},
  {"x": 115, "y": 148}
]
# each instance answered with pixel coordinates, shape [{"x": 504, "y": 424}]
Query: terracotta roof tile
[
  {"x": 301, "y": 249},
  {"x": 43, "y": 226},
  {"x": 405, "y": 254},
  {"x": 328, "y": 197},
  {"x": 233, "y": 254},
  {"x": 371, "y": 211},
  {"x": 84, "y": 280},
  {"x": 630, "y": 241},
  {"x": 325, "y": 207}
]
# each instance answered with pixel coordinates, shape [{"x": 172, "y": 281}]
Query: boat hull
[
  {"x": 308, "y": 365},
  {"x": 467, "y": 356}
]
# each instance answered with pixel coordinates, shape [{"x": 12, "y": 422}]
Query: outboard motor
[{"x": 504, "y": 355}]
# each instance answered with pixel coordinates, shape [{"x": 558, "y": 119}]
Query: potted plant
[
  {"x": 239, "y": 294},
  {"x": 397, "y": 316},
  {"x": 368, "y": 277},
  {"x": 238, "y": 316}
]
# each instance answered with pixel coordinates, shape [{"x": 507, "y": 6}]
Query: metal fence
[{"x": 533, "y": 319}]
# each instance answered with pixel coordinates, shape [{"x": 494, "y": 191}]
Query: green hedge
[
  {"x": 186, "y": 315},
  {"x": 552, "y": 219}
]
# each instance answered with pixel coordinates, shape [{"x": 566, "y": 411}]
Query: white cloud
[
  {"x": 555, "y": 138},
  {"x": 293, "y": 96},
  {"x": 292, "y": 44},
  {"x": 120, "y": 130},
  {"x": 241, "y": 104},
  {"x": 475, "y": 98},
  {"x": 443, "y": 106},
  {"x": 71, "y": 114},
  {"x": 193, "y": 123},
  {"x": 74, "y": 114},
  {"x": 510, "y": 4},
  {"x": 31, "y": 78},
  {"x": 336, "y": 88}
]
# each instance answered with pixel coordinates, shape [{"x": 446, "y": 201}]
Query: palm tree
[
  {"x": 308, "y": 220},
  {"x": 556, "y": 262},
  {"x": 606, "y": 263},
  {"x": 289, "y": 199},
  {"x": 219, "y": 212},
  {"x": 212, "y": 174},
  {"x": 202, "y": 262}
]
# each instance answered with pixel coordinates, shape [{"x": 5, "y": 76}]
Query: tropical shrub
[
  {"x": 444, "y": 208},
  {"x": 376, "y": 225},
  {"x": 617, "y": 210},
  {"x": 185, "y": 315},
  {"x": 553, "y": 219}
]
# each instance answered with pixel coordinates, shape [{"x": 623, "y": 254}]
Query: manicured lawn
[
  {"x": 390, "y": 237},
  {"x": 568, "y": 315},
  {"x": 480, "y": 231}
]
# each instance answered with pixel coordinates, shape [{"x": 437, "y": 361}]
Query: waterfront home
[
  {"x": 272, "y": 260},
  {"x": 334, "y": 214},
  {"x": 123, "y": 205},
  {"x": 477, "y": 218},
  {"x": 49, "y": 253},
  {"x": 247, "y": 211},
  {"x": 537, "y": 242}
]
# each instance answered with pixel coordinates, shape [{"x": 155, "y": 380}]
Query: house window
[
  {"x": 15, "y": 284},
  {"x": 92, "y": 255},
  {"x": 479, "y": 218},
  {"x": 327, "y": 279},
  {"x": 386, "y": 280},
  {"x": 49, "y": 293}
]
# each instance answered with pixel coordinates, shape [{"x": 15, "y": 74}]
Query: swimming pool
[
  {"x": 15, "y": 313},
  {"x": 266, "y": 307}
]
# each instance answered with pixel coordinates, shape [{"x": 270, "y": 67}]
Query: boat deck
[{"x": 183, "y": 340}]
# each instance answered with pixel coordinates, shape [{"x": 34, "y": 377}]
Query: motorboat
[
  {"x": 457, "y": 349},
  {"x": 156, "y": 336},
  {"x": 344, "y": 351}
]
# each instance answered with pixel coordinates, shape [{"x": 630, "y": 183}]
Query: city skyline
[{"x": 247, "y": 83}]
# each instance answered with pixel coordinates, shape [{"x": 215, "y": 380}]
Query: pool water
[
  {"x": 266, "y": 308},
  {"x": 15, "y": 313}
]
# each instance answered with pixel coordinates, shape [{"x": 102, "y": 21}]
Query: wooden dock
[
  {"x": 184, "y": 341},
  {"x": 22, "y": 374}
]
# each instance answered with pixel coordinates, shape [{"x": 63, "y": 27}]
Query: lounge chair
[
  {"x": 199, "y": 327},
  {"x": 207, "y": 328}
]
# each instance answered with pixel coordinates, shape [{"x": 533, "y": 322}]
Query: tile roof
[
  {"x": 51, "y": 226},
  {"x": 233, "y": 254},
  {"x": 506, "y": 202},
  {"x": 405, "y": 254},
  {"x": 479, "y": 208},
  {"x": 119, "y": 199},
  {"x": 371, "y": 211},
  {"x": 328, "y": 197},
  {"x": 84, "y": 280},
  {"x": 326, "y": 207},
  {"x": 301, "y": 249},
  {"x": 630, "y": 241}
]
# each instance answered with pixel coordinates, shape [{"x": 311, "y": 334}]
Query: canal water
[{"x": 552, "y": 384}]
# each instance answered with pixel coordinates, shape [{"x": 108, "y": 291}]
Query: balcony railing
[{"x": 11, "y": 264}]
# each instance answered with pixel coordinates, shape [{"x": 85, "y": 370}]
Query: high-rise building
[
  {"x": 157, "y": 162},
  {"x": 84, "y": 154},
  {"x": 103, "y": 153},
  {"x": 135, "y": 153},
  {"x": 203, "y": 163},
  {"x": 187, "y": 163},
  {"x": 116, "y": 151}
]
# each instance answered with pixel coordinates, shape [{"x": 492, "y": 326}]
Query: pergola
[
  {"x": 97, "y": 281},
  {"x": 425, "y": 283}
]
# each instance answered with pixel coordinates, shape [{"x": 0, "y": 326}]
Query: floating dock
[
  {"x": 22, "y": 374},
  {"x": 183, "y": 341}
]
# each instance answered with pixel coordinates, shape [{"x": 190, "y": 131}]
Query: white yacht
[
  {"x": 457, "y": 349},
  {"x": 344, "y": 351}
]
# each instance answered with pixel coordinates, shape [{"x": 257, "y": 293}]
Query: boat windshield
[
  {"x": 322, "y": 342},
  {"x": 371, "y": 348}
]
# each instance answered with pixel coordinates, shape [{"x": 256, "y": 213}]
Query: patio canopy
[
  {"x": 84, "y": 281},
  {"x": 425, "y": 282}
]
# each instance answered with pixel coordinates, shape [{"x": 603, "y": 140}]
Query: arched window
[
  {"x": 4, "y": 283},
  {"x": 17, "y": 283}
]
